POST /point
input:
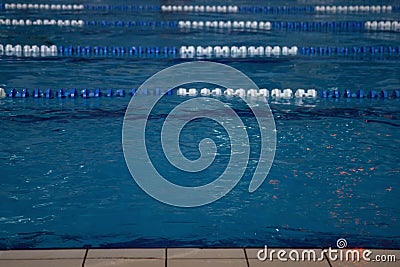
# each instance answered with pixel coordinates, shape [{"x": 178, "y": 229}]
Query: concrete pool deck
[{"x": 171, "y": 257}]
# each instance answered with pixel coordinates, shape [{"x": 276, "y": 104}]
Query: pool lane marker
[
  {"x": 41, "y": 22},
  {"x": 387, "y": 25},
  {"x": 275, "y": 93},
  {"x": 37, "y": 6},
  {"x": 328, "y": 26},
  {"x": 280, "y": 10},
  {"x": 354, "y": 9},
  {"x": 196, "y": 51}
]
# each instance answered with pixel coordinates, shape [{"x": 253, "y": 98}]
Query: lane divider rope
[
  {"x": 195, "y": 51},
  {"x": 382, "y": 25},
  {"x": 354, "y": 9},
  {"x": 240, "y": 25},
  {"x": 11, "y": 6},
  {"x": 41, "y": 22},
  {"x": 287, "y": 25},
  {"x": 280, "y": 9},
  {"x": 274, "y": 93},
  {"x": 208, "y": 8},
  {"x": 200, "y": 8}
]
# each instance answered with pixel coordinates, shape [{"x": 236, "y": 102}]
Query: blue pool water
[{"x": 65, "y": 183}]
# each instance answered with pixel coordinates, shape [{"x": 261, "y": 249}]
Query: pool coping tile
[
  {"x": 205, "y": 253},
  {"x": 134, "y": 253},
  {"x": 200, "y": 262},
  {"x": 131, "y": 262},
  {"x": 43, "y": 254},
  {"x": 173, "y": 257},
  {"x": 42, "y": 263}
]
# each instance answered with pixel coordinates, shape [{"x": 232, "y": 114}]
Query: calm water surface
[{"x": 63, "y": 177}]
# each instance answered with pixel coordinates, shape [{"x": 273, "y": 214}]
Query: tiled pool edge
[{"x": 163, "y": 257}]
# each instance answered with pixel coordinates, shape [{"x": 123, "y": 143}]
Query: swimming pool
[{"x": 65, "y": 182}]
